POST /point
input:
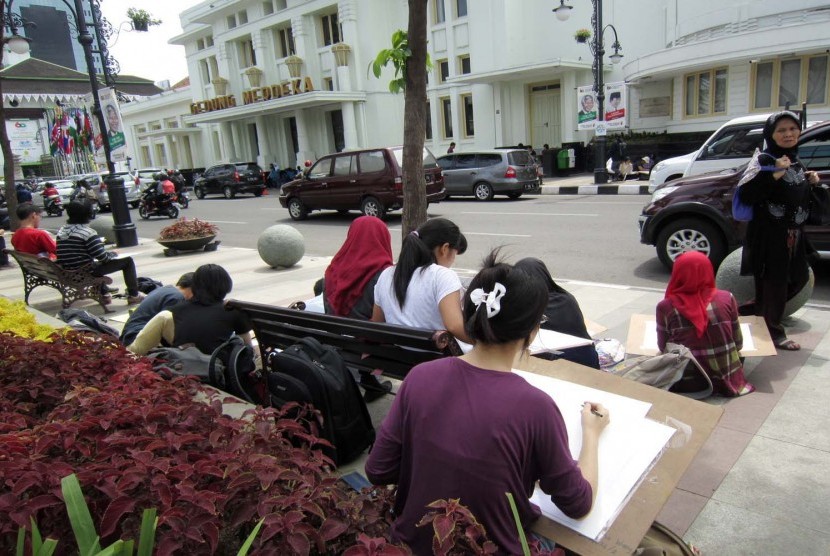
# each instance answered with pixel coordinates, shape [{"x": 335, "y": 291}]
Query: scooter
[
  {"x": 53, "y": 205},
  {"x": 182, "y": 198},
  {"x": 152, "y": 204},
  {"x": 82, "y": 194}
]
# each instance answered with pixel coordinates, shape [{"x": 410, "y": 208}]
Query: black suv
[
  {"x": 230, "y": 179},
  {"x": 695, "y": 213}
]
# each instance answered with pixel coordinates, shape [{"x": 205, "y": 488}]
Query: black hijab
[
  {"x": 770, "y": 146},
  {"x": 562, "y": 311}
]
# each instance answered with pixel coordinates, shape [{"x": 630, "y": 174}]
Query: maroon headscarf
[
  {"x": 692, "y": 287},
  {"x": 366, "y": 251}
]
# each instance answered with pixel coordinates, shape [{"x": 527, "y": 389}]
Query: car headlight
[
  {"x": 660, "y": 166},
  {"x": 662, "y": 192}
]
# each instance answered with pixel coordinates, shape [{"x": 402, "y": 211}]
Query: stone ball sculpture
[
  {"x": 103, "y": 224},
  {"x": 281, "y": 246},
  {"x": 743, "y": 287}
]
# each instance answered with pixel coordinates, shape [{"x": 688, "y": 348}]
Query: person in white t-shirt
[{"x": 420, "y": 290}]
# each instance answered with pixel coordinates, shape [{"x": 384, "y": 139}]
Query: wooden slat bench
[
  {"x": 73, "y": 285},
  {"x": 364, "y": 345}
]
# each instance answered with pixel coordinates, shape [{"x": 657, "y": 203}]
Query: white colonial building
[{"x": 287, "y": 80}]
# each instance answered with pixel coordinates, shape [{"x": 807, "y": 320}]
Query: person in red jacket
[{"x": 29, "y": 238}]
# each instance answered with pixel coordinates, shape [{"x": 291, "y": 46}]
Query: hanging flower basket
[
  {"x": 582, "y": 35},
  {"x": 141, "y": 19}
]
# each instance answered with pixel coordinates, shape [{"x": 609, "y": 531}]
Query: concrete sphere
[
  {"x": 743, "y": 287},
  {"x": 103, "y": 224},
  {"x": 281, "y": 246}
]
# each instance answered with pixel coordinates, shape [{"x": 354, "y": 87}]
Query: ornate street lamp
[{"x": 597, "y": 46}]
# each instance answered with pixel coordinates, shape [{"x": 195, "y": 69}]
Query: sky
[{"x": 148, "y": 54}]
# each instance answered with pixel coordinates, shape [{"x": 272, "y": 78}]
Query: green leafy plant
[
  {"x": 142, "y": 20},
  {"x": 398, "y": 56},
  {"x": 582, "y": 35}
]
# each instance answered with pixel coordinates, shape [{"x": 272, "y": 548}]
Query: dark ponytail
[
  {"x": 521, "y": 307},
  {"x": 417, "y": 251}
]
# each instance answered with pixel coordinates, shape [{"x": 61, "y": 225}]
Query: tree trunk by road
[
  {"x": 414, "y": 127},
  {"x": 8, "y": 156}
]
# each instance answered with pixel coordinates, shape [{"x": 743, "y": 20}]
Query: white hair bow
[{"x": 491, "y": 300}]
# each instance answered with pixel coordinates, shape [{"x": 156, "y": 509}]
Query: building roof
[
  {"x": 183, "y": 83},
  {"x": 38, "y": 77}
]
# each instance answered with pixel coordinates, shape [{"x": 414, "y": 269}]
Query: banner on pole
[
  {"x": 616, "y": 115},
  {"x": 586, "y": 116}
]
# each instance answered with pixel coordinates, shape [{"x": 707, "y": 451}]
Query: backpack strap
[{"x": 313, "y": 345}]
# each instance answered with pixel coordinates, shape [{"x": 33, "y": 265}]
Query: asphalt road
[{"x": 592, "y": 238}]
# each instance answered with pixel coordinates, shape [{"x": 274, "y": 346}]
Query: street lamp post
[{"x": 597, "y": 46}]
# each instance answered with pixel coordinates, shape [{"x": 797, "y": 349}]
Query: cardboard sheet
[
  {"x": 545, "y": 341},
  {"x": 642, "y": 336}
]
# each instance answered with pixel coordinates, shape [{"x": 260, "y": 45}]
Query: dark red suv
[
  {"x": 695, "y": 213},
  {"x": 369, "y": 180}
]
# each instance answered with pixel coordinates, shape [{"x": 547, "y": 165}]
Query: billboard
[
  {"x": 23, "y": 137},
  {"x": 114, "y": 124},
  {"x": 586, "y": 116},
  {"x": 615, "y": 106}
]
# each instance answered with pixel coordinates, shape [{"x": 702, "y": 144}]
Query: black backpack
[{"x": 309, "y": 372}]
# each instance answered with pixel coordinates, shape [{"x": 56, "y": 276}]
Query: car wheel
[
  {"x": 200, "y": 193},
  {"x": 258, "y": 192},
  {"x": 296, "y": 209},
  {"x": 228, "y": 192},
  {"x": 514, "y": 195},
  {"x": 483, "y": 191},
  {"x": 690, "y": 234},
  {"x": 173, "y": 211},
  {"x": 142, "y": 212},
  {"x": 370, "y": 206}
]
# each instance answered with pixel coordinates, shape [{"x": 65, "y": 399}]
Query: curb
[{"x": 594, "y": 189}]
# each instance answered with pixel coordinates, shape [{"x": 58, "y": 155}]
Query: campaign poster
[
  {"x": 615, "y": 103},
  {"x": 115, "y": 127},
  {"x": 586, "y": 116}
]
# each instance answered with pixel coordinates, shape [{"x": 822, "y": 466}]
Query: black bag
[
  {"x": 146, "y": 285},
  {"x": 87, "y": 322},
  {"x": 183, "y": 361},
  {"x": 309, "y": 372}
]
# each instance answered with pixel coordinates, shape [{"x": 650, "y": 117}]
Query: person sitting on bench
[{"x": 29, "y": 238}]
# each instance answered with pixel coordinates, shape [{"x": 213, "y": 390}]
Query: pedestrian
[
  {"x": 777, "y": 185},
  {"x": 156, "y": 301},
  {"x": 274, "y": 176},
  {"x": 24, "y": 194},
  {"x": 468, "y": 428},
  {"x": 452, "y": 148},
  {"x": 697, "y": 315},
  {"x": 29, "y": 238},
  {"x": 79, "y": 245}
]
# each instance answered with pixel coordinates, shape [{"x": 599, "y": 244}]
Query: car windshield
[
  {"x": 519, "y": 158},
  {"x": 429, "y": 160},
  {"x": 249, "y": 167}
]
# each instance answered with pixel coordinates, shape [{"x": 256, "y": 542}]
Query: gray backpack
[{"x": 664, "y": 370}]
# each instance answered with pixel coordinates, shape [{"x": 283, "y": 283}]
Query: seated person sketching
[
  {"x": 202, "y": 320},
  {"x": 79, "y": 245},
  {"x": 420, "y": 290},
  {"x": 29, "y": 238},
  {"x": 563, "y": 315},
  {"x": 467, "y": 427},
  {"x": 703, "y": 318},
  {"x": 156, "y": 301}
]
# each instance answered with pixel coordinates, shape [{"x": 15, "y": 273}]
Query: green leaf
[
  {"x": 147, "y": 537},
  {"x": 522, "y": 538},
  {"x": 47, "y": 548},
  {"x": 37, "y": 540},
  {"x": 129, "y": 548},
  {"x": 243, "y": 551},
  {"x": 111, "y": 550},
  {"x": 21, "y": 541},
  {"x": 79, "y": 515},
  {"x": 95, "y": 549}
]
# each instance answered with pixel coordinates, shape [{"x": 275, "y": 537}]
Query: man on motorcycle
[{"x": 52, "y": 199}]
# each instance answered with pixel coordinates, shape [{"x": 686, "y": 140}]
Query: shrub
[{"x": 15, "y": 318}]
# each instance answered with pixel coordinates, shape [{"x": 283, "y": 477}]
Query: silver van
[{"x": 484, "y": 174}]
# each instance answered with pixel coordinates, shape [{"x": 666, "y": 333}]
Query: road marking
[
  {"x": 227, "y": 222},
  {"x": 533, "y": 213},
  {"x": 466, "y": 233}
]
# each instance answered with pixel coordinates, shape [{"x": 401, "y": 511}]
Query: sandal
[{"x": 788, "y": 345}]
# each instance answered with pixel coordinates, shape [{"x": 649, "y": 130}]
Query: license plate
[
  {"x": 428, "y": 178},
  {"x": 251, "y": 178},
  {"x": 528, "y": 186}
]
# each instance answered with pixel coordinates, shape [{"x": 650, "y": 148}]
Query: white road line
[
  {"x": 466, "y": 233},
  {"x": 533, "y": 213},
  {"x": 227, "y": 222}
]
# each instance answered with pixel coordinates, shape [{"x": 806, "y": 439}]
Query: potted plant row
[{"x": 188, "y": 235}]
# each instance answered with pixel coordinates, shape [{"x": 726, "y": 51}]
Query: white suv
[{"x": 730, "y": 146}]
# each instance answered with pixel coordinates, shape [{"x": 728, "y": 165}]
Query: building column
[
  {"x": 226, "y": 132},
  {"x": 151, "y": 148},
  {"x": 266, "y": 156},
  {"x": 170, "y": 152},
  {"x": 344, "y": 83},
  {"x": 305, "y": 152}
]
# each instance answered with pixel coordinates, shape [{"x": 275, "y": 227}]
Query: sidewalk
[
  {"x": 583, "y": 184},
  {"x": 759, "y": 486}
]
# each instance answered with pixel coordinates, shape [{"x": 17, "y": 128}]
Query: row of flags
[{"x": 71, "y": 130}]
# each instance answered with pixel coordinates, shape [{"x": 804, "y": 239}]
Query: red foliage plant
[{"x": 84, "y": 405}]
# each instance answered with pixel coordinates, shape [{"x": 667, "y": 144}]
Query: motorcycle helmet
[{"x": 161, "y": 176}]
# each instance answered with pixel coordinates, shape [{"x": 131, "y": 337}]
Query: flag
[
  {"x": 68, "y": 143},
  {"x": 87, "y": 133}
]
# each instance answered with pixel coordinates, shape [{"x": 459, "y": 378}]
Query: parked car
[
  {"x": 369, "y": 180},
  {"x": 484, "y": 174},
  {"x": 132, "y": 190},
  {"x": 230, "y": 180},
  {"x": 147, "y": 176},
  {"x": 695, "y": 213}
]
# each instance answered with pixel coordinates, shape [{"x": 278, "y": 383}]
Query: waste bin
[
  {"x": 549, "y": 162},
  {"x": 563, "y": 163}
]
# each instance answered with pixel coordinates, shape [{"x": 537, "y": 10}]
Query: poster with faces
[
  {"x": 615, "y": 103},
  {"x": 586, "y": 115}
]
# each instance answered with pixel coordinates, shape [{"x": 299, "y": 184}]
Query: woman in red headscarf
[
  {"x": 703, "y": 318},
  {"x": 349, "y": 287}
]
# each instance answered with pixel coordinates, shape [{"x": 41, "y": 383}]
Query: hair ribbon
[{"x": 491, "y": 300}]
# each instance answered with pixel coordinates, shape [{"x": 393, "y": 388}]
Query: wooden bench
[
  {"x": 364, "y": 345},
  {"x": 73, "y": 285}
]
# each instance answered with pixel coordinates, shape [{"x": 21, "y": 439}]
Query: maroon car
[
  {"x": 695, "y": 213},
  {"x": 369, "y": 180}
]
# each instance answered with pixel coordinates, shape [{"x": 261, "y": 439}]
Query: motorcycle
[
  {"x": 182, "y": 198},
  {"x": 81, "y": 194},
  {"x": 53, "y": 205},
  {"x": 152, "y": 204}
]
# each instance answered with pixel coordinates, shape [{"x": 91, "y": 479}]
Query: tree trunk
[
  {"x": 8, "y": 157},
  {"x": 414, "y": 128}
]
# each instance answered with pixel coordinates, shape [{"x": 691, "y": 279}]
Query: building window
[
  {"x": 285, "y": 42},
  {"x": 467, "y": 107},
  {"x": 231, "y": 21},
  {"x": 331, "y": 29},
  {"x": 268, "y": 7},
  {"x": 208, "y": 41},
  {"x": 705, "y": 92},
  {"x": 281, "y": 5},
  {"x": 446, "y": 117},
  {"x": 464, "y": 64},
  {"x": 208, "y": 69},
  {"x": 242, "y": 17},
  {"x": 443, "y": 67},
  {"x": 438, "y": 8},
  {"x": 247, "y": 55},
  {"x": 428, "y": 123},
  {"x": 200, "y": 44},
  {"x": 793, "y": 80},
  {"x": 460, "y": 8},
  {"x": 328, "y": 84}
]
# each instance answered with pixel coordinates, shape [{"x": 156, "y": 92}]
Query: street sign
[{"x": 601, "y": 129}]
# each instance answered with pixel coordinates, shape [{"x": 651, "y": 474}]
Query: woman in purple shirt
[{"x": 469, "y": 428}]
